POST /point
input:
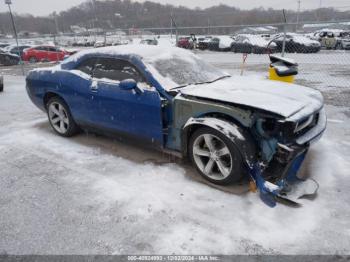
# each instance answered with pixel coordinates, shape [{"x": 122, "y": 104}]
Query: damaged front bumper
[
  {"x": 285, "y": 185},
  {"x": 280, "y": 179}
]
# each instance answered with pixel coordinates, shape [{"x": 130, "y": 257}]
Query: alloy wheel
[
  {"x": 212, "y": 157},
  {"x": 58, "y": 117}
]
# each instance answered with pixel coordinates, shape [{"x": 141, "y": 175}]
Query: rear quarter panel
[
  {"x": 71, "y": 86},
  {"x": 38, "y": 83}
]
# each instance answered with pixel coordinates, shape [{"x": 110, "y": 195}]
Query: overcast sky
[{"x": 44, "y": 7}]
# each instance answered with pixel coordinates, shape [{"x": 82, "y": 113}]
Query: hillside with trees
[{"x": 124, "y": 14}]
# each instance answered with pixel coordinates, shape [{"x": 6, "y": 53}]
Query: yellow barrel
[{"x": 273, "y": 76}]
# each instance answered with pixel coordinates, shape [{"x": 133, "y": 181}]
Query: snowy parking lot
[{"x": 96, "y": 195}]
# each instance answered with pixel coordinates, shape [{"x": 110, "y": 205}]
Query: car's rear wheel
[
  {"x": 215, "y": 156},
  {"x": 60, "y": 118},
  {"x": 33, "y": 60}
]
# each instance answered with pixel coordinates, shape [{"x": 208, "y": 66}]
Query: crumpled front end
[{"x": 278, "y": 178}]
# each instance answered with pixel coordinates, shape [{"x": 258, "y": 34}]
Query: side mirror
[{"x": 128, "y": 84}]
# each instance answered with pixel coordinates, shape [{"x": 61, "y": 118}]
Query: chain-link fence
[{"x": 321, "y": 49}]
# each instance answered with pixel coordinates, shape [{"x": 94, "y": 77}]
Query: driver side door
[{"x": 135, "y": 112}]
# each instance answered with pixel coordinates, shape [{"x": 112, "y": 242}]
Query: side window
[
  {"x": 52, "y": 49},
  {"x": 40, "y": 48},
  {"x": 87, "y": 66},
  {"x": 117, "y": 70}
]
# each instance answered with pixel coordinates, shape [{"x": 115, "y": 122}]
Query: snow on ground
[{"x": 93, "y": 195}]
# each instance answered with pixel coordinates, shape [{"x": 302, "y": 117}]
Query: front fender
[{"x": 239, "y": 136}]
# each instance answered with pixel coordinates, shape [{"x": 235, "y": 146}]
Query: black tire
[
  {"x": 250, "y": 50},
  {"x": 72, "y": 128},
  {"x": 1, "y": 84},
  {"x": 237, "y": 167},
  {"x": 33, "y": 60}
]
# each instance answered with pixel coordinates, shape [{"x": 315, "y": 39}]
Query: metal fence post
[
  {"x": 284, "y": 40},
  {"x": 9, "y": 2},
  {"x": 1, "y": 83},
  {"x": 284, "y": 33}
]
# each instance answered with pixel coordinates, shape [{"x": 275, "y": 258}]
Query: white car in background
[
  {"x": 256, "y": 44},
  {"x": 220, "y": 43}
]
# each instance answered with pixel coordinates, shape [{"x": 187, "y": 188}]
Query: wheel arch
[
  {"x": 228, "y": 127},
  {"x": 48, "y": 95}
]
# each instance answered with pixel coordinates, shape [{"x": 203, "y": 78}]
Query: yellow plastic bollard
[{"x": 273, "y": 76}]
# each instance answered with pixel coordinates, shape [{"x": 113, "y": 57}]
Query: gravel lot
[{"x": 95, "y": 195}]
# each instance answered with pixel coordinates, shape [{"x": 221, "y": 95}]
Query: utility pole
[
  {"x": 56, "y": 23},
  {"x": 284, "y": 33},
  {"x": 318, "y": 13},
  {"x": 208, "y": 26},
  {"x": 176, "y": 31},
  {"x": 9, "y": 2},
  {"x": 171, "y": 25},
  {"x": 298, "y": 14},
  {"x": 94, "y": 20}
]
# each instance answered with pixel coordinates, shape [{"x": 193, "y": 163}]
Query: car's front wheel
[
  {"x": 215, "y": 156},
  {"x": 60, "y": 118}
]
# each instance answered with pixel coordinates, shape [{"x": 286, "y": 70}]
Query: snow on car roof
[
  {"x": 256, "y": 40},
  {"x": 302, "y": 39},
  {"x": 142, "y": 51},
  {"x": 175, "y": 63}
]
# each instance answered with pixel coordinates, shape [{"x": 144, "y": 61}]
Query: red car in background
[
  {"x": 45, "y": 54},
  {"x": 185, "y": 42}
]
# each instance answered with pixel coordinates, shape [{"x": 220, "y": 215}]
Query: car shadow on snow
[{"x": 141, "y": 154}]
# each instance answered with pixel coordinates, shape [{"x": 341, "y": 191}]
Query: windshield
[{"x": 188, "y": 70}]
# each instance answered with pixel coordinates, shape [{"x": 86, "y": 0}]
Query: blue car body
[
  {"x": 164, "y": 113},
  {"x": 109, "y": 107}
]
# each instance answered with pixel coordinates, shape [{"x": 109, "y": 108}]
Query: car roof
[{"x": 143, "y": 52}]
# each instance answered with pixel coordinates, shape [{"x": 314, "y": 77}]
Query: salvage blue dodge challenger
[{"x": 229, "y": 127}]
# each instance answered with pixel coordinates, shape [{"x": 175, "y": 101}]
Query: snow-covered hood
[{"x": 287, "y": 100}]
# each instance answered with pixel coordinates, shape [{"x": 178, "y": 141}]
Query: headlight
[
  {"x": 267, "y": 127},
  {"x": 274, "y": 128}
]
